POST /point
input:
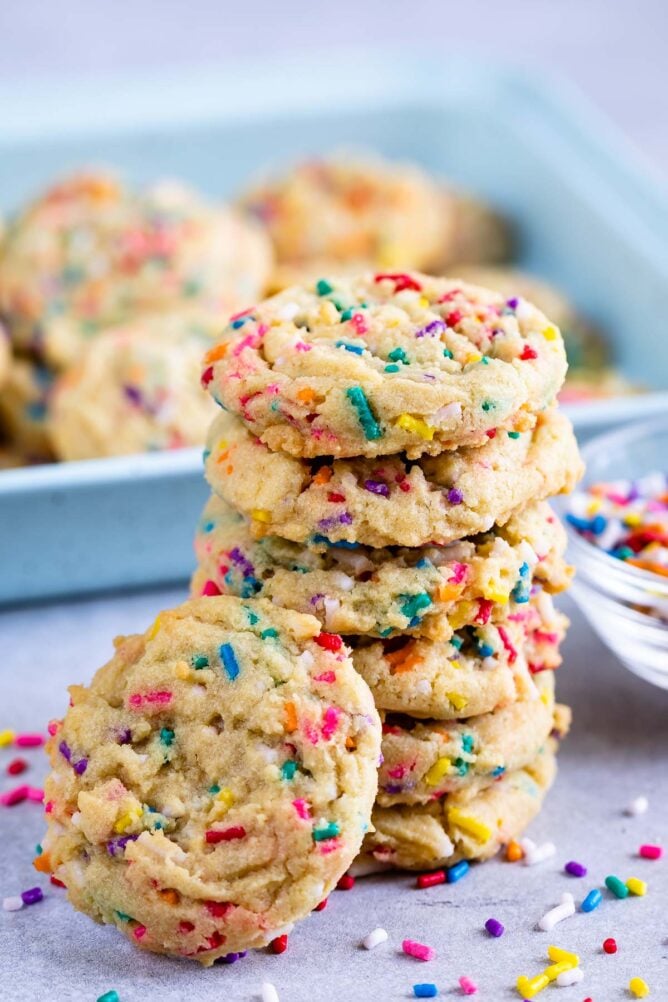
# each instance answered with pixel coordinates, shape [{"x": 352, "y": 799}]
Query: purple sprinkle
[
  {"x": 117, "y": 845},
  {"x": 513, "y": 303},
  {"x": 133, "y": 394},
  {"x": 455, "y": 496},
  {"x": 125, "y": 736},
  {"x": 81, "y": 766},
  {"x": 376, "y": 487},
  {"x": 346, "y": 518},
  {"x": 494, "y": 927},
  {"x": 575, "y": 869},
  {"x": 435, "y": 327},
  {"x": 237, "y": 557},
  {"x": 65, "y": 751},
  {"x": 231, "y": 958},
  {"x": 32, "y": 896}
]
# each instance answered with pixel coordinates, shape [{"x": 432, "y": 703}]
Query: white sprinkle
[
  {"x": 13, "y": 904},
  {"x": 269, "y": 993},
  {"x": 305, "y": 660},
  {"x": 534, "y": 854},
  {"x": 374, "y": 939},
  {"x": 637, "y": 806},
  {"x": 572, "y": 977},
  {"x": 423, "y": 687},
  {"x": 558, "y": 914},
  {"x": 288, "y": 312}
]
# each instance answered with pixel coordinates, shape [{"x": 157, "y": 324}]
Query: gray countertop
[{"x": 618, "y": 749}]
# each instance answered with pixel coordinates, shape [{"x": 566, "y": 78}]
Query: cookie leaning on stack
[{"x": 387, "y": 446}]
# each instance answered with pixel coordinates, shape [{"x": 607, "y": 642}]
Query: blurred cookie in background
[
  {"x": 90, "y": 252},
  {"x": 136, "y": 389},
  {"x": 24, "y": 406}
]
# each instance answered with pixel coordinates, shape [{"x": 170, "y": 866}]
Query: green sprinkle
[
  {"x": 617, "y": 886},
  {"x": 414, "y": 604},
  {"x": 167, "y": 736},
  {"x": 367, "y": 419},
  {"x": 461, "y": 766},
  {"x": 447, "y": 353},
  {"x": 288, "y": 769},
  {"x": 270, "y": 632},
  {"x": 347, "y": 315},
  {"x": 38, "y": 849},
  {"x": 123, "y": 917},
  {"x": 484, "y": 360},
  {"x": 624, "y": 553},
  {"x": 488, "y": 405},
  {"x": 513, "y": 434},
  {"x": 456, "y": 642},
  {"x": 467, "y": 742},
  {"x": 199, "y": 661},
  {"x": 253, "y": 617},
  {"x": 323, "y": 288},
  {"x": 398, "y": 355},
  {"x": 214, "y": 789},
  {"x": 111, "y": 996},
  {"x": 391, "y": 368},
  {"x": 328, "y": 831}
]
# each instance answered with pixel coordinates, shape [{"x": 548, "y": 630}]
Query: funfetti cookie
[
  {"x": 386, "y": 363},
  {"x": 25, "y": 400},
  {"x": 89, "y": 252},
  {"x": 428, "y": 591},
  {"x": 135, "y": 389},
  {"x": 390, "y": 501},
  {"x": 214, "y": 781}
]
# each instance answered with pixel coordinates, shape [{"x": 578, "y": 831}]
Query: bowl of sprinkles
[{"x": 618, "y": 538}]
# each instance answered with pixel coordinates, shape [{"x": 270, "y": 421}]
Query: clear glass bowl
[{"x": 626, "y": 606}]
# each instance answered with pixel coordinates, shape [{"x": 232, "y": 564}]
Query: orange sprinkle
[
  {"x": 306, "y": 396},
  {"x": 42, "y": 863},
  {"x": 446, "y": 592},
  {"x": 404, "y": 660},
  {"x": 290, "y": 717},
  {"x": 648, "y": 565},
  {"x": 216, "y": 353},
  {"x": 223, "y": 456},
  {"x": 514, "y": 852},
  {"x": 323, "y": 476},
  {"x": 351, "y": 744},
  {"x": 171, "y": 896}
]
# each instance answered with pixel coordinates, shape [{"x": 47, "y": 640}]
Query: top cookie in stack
[{"x": 384, "y": 451}]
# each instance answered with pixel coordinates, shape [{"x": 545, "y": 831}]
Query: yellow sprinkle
[
  {"x": 329, "y": 313},
  {"x": 639, "y": 988},
  {"x": 423, "y": 302},
  {"x": 500, "y": 597},
  {"x": 439, "y": 769},
  {"x": 544, "y": 698},
  {"x": 155, "y": 629},
  {"x": 528, "y": 987},
  {"x": 127, "y": 819},
  {"x": 223, "y": 802},
  {"x": 633, "y": 518},
  {"x": 550, "y": 333},
  {"x": 260, "y": 515},
  {"x": 472, "y": 358},
  {"x": 457, "y": 700},
  {"x": 6, "y": 738},
  {"x": 480, "y": 832},
  {"x": 554, "y": 970},
  {"x": 181, "y": 670},
  {"x": 455, "y": 664},
  {"x": 462, "y": 614},
  {"x": 556, "y": 954},
  {"x": 222, "y": 445},
  {"x": 594, "y": 506},
  {"x": 416, "y": 425},
  {"x": 637, "y": 886}
]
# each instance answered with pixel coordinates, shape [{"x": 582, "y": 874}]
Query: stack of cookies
[{"x": 382, "y": 461}]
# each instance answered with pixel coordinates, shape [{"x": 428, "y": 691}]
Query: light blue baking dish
[{"x": 590, "y": 217}]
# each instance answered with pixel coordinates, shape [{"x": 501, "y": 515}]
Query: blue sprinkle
[
  {"x": 428, "y": 990},
  {"x": 457, "y": 871},
  {"x": 592, "y": 900},
  {"x": 485, "y": 650},
  {"x": 467, "y": 742},
  {"x": 499, "y": 771},
  {"x": 357, "y": 349},
  {"x": 229, "y": 659}
]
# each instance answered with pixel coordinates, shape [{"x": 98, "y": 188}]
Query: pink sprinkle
[
  {"x": 330, "y": 722},
  {"x": 302, "y": 809},
  {"x": 310, "y": 733},
  {"x": 48, "y": 807},
  {"x": 15, "y": 796},
  {"x": 300, "y": 346},
  {"x": 35, "y": 794},
  {"x": 329, "y": 846},
  {"x": 467, "y": 986},
  {"x": 28, "y": 740},
  {"x": 459, "y": 572},
  {"x": 327, "y": 676},
  {"x": 250, "y": 341},
  {"x": 155, "y": 697},
  {"x": 505, "y": 640},
  {"x": 53, "y": 727},
  {"x": 210, "y": 588},
  {"x": 359, "y": 323},
  {"x": 650, "y": 851},
  {"x": 418, "y": 950},
  {"x": 139, "y": 932}
]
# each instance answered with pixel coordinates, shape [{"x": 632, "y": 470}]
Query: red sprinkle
[
  {"x": 335, "y": 496},
  {"x": 210, "y": 588},
  {"x": 207, "y": 376},
  {"x": 401, "y": 281},
  {"x": 17, "y": 766},
  {"x": 431, "y": 879},
  {"x": 528, "y": 353},
  {"x": 279, "y": 945},
  {"x": 453, "y": 318},
  {"x": 346, "y": 883},
  {"x": 218, "y": 909},
  {"x": 56, "y": 882},
  {"x": 610, "y": 945},
  {"x": 213, "y": 836},
  {"x": 650, "y": 851},
  {"x": 329, "y": 641},
  {"x": 321, "y": 907}
]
